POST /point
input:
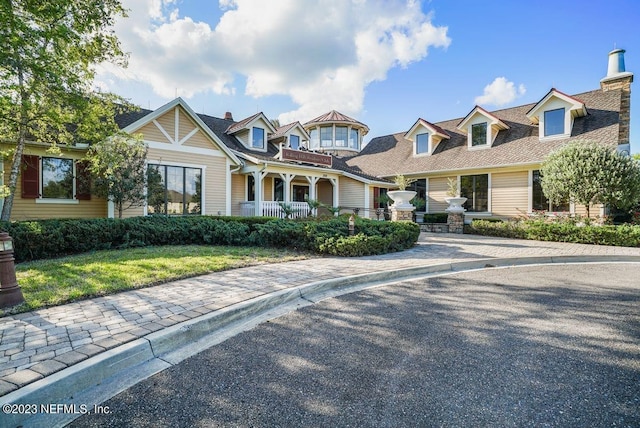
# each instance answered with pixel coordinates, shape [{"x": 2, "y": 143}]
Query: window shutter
[
  {"x": 30, "y": 177},
  {"x": 83, "y": 181},
  {"x": 376, "y": 197}
]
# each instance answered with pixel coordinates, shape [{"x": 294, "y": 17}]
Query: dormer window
[
  {"x": 422, "y": 143},
  {"x": 425, "y": 137},
  {"x": 253, "y": 132},
  {"x": 554, "y": 122},
  {"x": 479, "y": 134},
  {"x": 294, "y": 142},
  {"x": 554, "y": 114},
  {"x": 481, "y": 128},
  {"x": 257, "y": 139}
]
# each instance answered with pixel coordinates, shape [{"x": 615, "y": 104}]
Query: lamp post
[
  {"x": 352, "y": 225},
  {"x": 10, "y": 293}
]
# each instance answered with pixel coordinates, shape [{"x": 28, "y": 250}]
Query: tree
[
  {"x": 591, "y": 173},
  {"x": 49, "y": 50},
  {"x": 118, "y": 166}
]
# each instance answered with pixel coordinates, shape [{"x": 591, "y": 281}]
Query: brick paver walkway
[{"x": 39, "y": 343}]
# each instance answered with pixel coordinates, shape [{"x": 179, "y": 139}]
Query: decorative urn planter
[
  {"x": 455, "y": 204},
  {"x": 401, "y": 198}
]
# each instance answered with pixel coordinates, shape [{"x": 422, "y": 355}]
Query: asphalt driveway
[{"x": 531, "y": 346}]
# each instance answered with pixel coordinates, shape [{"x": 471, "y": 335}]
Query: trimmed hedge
[
  {"x": 435, "y": 218},
  {"x": 54, "y": 238},
  {"x": 560, "y": 231}
]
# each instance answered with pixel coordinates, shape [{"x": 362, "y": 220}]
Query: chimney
[
  {"x": 619, "y": 79},
  {"x": 228, "y": 116}
]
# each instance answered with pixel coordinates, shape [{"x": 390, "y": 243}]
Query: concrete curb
[{"x": 102, "y": 376}]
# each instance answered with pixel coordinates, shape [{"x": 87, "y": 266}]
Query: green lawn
[{"x": 58, "y": 281}]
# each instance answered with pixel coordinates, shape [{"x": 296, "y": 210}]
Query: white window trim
[
  {"x": 203, "y": 169},
  {"x": 264, "y": 140},
  {"x": 42, "y": 200},
  {"x": 429, "y": 144},
  {"x": 488, "y": 137}
]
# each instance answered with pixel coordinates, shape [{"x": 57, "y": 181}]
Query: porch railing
[{"x": 273, "y": 209}]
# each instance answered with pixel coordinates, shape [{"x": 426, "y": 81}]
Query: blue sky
[{"x": 385, "y": 63}]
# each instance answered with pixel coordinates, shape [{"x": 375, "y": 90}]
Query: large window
[
  {"x": 315, "y": 138},
  {"x": 476, "y": 189},
  {"x": 326, "y": 136},
  {"x": 341, "y": 136},
  {"x": 57, "y": 178},
  {"x": 354, "y": 139},
  {"x": 479, "y": 134},
  {"x": 540, "y": 201},
  {"x": 174, "y": 190},
  {"x": 294, "y": 142},
  {"x": 422, "y": 143},
  {"x": 278, "y": 189},
  {"x": 554, "y": 122},
  {"x": 300, "y": 193},
  {"x": 258, "y": 138}
]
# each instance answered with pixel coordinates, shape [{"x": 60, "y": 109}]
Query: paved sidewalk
[{"x": 37, "y": 344}]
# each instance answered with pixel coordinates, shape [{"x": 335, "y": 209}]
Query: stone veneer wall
[{"x": 456, "y": 222}]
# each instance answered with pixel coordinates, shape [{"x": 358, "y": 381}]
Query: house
[{"x": 219, "y": 166}]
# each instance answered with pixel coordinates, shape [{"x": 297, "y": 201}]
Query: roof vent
[
  {"x": 616, "y": 62},
  {"x": 228, "y": 116}
]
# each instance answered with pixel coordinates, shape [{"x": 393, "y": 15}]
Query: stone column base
[
  {"x": 456, "y": 222},
  {"x": 401, "y": 214}
]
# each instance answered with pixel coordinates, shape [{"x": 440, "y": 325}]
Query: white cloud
[
  {"x": 321, "y": 54},
  {"x": 500, "y": 92}
]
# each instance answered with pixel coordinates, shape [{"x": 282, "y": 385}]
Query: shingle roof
[
  {"x": 520, "y": 144},
  {"x": 282, "y": 130},
  {"x": 237, "y": 126}
]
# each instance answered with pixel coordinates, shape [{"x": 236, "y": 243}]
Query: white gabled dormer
[
  {"x": 291, "y": 136},
  {"x": 554, "y": 114},
  {"x": 425, "y": 137},
  {"x": 481, "y": 128},
  {"x": 253, "y": 131}
]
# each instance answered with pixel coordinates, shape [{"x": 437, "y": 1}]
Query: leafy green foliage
[
  {"x": 567, "y": 230},
  {"x": 589, "y": 173},
  {"x": 47, "y": 68},
  {"x": 34, "y": 240},
  {"x": 118, "y": 165},
  {"x": 436, "y": 218}
]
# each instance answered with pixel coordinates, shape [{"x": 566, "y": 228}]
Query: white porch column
[
  {"x": 336, "y": 192},
  {"x": 313, "y": 181},
  {"x": 258, "y": 176},
  {"x": 287, "y": 178}
]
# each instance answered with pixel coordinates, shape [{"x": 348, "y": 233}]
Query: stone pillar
[
  {"x": 456, "y": 222},
  {"x": 401, "y": 214}
]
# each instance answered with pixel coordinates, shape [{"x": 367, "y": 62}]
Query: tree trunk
[{"x": 17, "y": 155}]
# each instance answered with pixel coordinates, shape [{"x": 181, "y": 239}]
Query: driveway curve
[{"x": 529, "y": 346}]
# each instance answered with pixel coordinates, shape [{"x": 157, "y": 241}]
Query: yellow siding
[
  {"x": 325, "y": 195},
  {"x": 510, "y": 194},
  {"x": 168, "y": 122},
  {"x": 131, "y": 212},
  {"x": 243, "y": 136},
  {"x": 437, "y": 191},
  {"x": 185, "y": 125},
  {"x": 214, "y": 173},
  {"x": 267, "y": 189},
  {"x": 351, "y": 193},
  {"x": 29, "y": 209},
  {"x": 238, "y": 184},
  {"x": 594, "y": 210},
  {"x": 150, "y": 132}
]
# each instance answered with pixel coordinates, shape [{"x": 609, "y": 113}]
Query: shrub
[
  {"x": 435, "y": 218},
  {"x": 565, "y": 230},
  {"x": 54, "y": 238}
]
